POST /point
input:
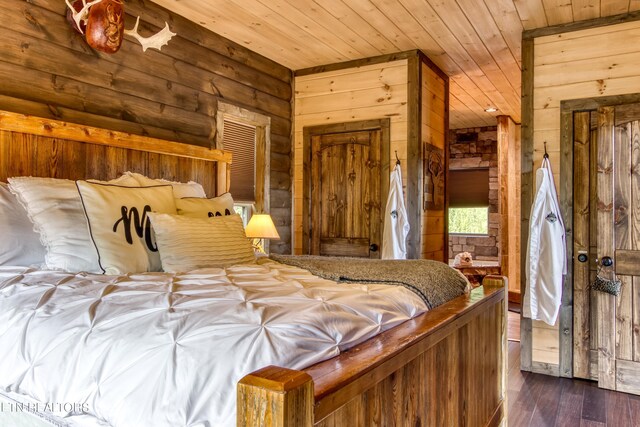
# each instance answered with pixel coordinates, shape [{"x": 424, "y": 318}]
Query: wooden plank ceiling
[{"x": 476, "y": 42}]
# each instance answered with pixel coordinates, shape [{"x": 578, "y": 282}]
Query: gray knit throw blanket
[{"x": 435, "y": 282}]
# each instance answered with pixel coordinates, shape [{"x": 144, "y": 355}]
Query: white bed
[{"x": 93, "y": 340}]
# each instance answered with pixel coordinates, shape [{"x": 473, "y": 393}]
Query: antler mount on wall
[{"x": 102, "y": 24}]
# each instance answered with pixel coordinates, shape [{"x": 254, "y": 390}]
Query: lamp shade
[{"x": 261, "y": 227}]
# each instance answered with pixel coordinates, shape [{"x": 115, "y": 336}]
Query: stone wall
[{"x": 470, "y": 149}]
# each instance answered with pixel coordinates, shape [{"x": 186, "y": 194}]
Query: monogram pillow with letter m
[{"x": 118, "y": 219}]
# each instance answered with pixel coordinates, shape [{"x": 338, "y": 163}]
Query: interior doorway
[{"x": 346, "y": 187}]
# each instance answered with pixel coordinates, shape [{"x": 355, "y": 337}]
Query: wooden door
[
  {"x": 346, "y": 196},
  {"x": 607, "y": 224},
  {"x": 618, "y": 224}
]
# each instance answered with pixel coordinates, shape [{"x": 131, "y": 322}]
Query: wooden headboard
[{"x": 33, "y": 146}]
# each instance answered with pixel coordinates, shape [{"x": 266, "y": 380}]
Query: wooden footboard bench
[{"x": 446, "y": 367}]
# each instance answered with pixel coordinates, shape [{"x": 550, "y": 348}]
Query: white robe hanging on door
[
  {"x": 396, "y": 225},
  {"x": 546, "y": 261}
]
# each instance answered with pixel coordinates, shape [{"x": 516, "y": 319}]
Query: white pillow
[
  {"x": 119, "y": 224},
  {"x": 19, "y": 244},
  {"x": 205, "y": 208},
  {"x": 187, "y": 244},
  {"x": 54, "y": 207},
  {"x": 180, "y": 189}
]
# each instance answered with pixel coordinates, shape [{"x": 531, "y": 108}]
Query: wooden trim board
[
  {"x": 565, "y": 317},
  {"x": 381, "y": 59},
  {"x": 55, "y": 128},
  {"x": 581, "y": 25},
  {"x": 414, "y": 157},
  {"x": 526, "y": 338}
]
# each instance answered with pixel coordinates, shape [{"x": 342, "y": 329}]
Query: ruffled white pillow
[
  {"x": 54, "y": 207},
  {"x": 19, "y": 244}
]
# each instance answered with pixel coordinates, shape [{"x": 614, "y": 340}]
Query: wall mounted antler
[{"x": 102, "y": 24}]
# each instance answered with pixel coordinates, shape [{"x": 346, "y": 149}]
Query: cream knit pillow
[{"x": 187, "y": 244}]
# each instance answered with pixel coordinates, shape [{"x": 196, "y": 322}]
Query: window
[
  {"x": 240, "y": 139},
  {"x": 247, "y": 135},
  {"x": 469, "y": 220},
  {"x": 469, "y": 201},
  {"x": 244, "y": 210}
]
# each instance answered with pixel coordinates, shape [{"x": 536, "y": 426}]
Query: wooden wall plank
[
  {"x": 635, "y": 233},
  {"x": 581, "y": 243},
  {"x": 434, "y": 130},
  {"x": 565, "y": 316},
  {"x": 622, "y": 238},
  {"x": 606, "y": 245},
  {"x": 593, "y": 239}
]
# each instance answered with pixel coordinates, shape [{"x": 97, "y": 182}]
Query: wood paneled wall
[
  {"x": 47, "y": 70},
  {"x": 345, "y": 95},
  {"x": 412, "y": 92},
  {"x": 588, "y": 63},
  {"x": 435, "y": 128}
]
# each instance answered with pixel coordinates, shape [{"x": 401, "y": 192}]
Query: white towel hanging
[
  {"x": 396, "y": 225},
  {"x": 546, "y": 261}
]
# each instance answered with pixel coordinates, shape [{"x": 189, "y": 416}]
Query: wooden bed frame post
[{"x": 276, "y": 397}]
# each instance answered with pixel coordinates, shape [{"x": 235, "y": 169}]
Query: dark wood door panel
[
  {"x": 345, "y": 247},
  {"x": 346, "y": 194}
]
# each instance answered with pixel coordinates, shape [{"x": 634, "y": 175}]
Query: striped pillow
[{"x": 187, "y": 244}]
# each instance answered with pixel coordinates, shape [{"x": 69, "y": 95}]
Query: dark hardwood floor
[{"x": 541, "y": 400}]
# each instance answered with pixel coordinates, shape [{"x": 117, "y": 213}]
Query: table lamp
[{"x": 261, "y": 227}]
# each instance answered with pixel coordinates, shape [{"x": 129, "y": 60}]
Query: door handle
[
  {"x": 373, "y": 247},
  {"x": 607, "y": 261}
]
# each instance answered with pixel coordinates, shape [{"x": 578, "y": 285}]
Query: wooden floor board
[
  {"x": 618, "y": 413},
  {"x": 546, "y": 410},
  {"x": 634, "y": 409},
  {"x": 570, "y": 409},
  {"x": 594, "y": 406},
  {"x": 536, "y": 400}
]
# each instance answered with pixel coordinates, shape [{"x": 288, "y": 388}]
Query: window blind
[
  {"x": 468, "y": 188},
  {"x": 240, "y": 139}
]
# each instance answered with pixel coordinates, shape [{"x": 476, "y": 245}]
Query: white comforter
[{"x": 158, "y": 349}]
